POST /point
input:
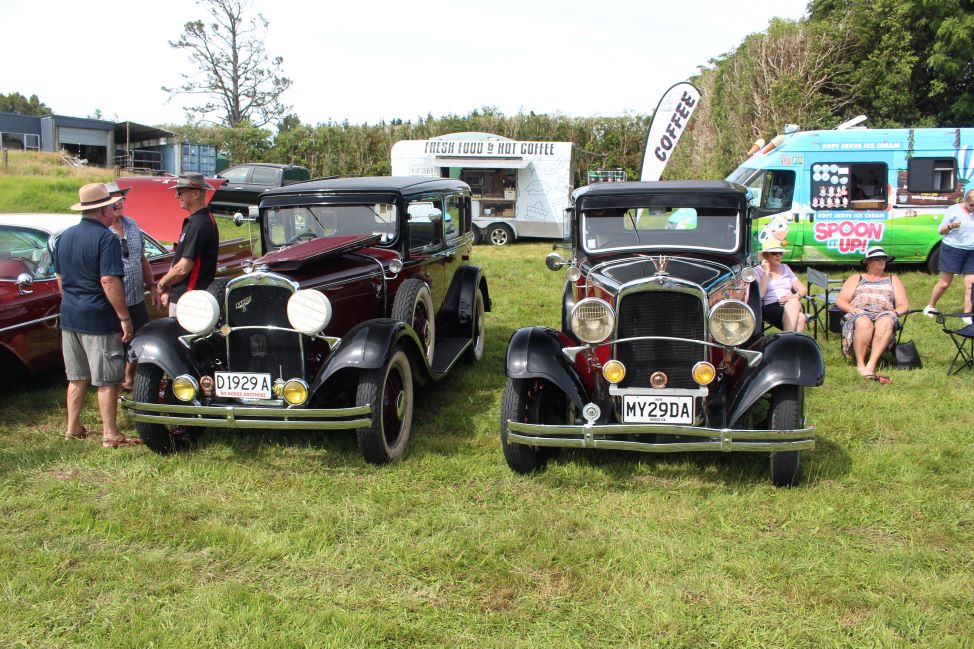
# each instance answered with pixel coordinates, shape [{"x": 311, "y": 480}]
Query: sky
[{"x": 378, "y": 60}]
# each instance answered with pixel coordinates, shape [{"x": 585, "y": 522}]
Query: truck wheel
[
  {"x": 499, "y": 235},
  {"x": 933, "y": 261},
  {"x": 532, "y": 401},
  {"x": 479, "y": 335},
  {"x": 389, "y": 391},
  {"x": 152, "y": 385},
  {"x": 786, "y": 412},
  {"x": 414, "y": 306}
]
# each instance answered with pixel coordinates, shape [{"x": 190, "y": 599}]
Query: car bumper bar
[
  {"x": 712, "y": 439},
  {"x": 234, "y": 416}
]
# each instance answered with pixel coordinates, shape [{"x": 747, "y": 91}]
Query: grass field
[{"x": 291, "y": 540}]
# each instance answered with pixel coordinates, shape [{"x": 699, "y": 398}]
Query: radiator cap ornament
[{"x": 658, "y": 380}]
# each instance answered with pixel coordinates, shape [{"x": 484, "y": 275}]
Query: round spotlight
[
  {"x": 185, "y": 387},
  {"x": 614, "y": 371},
  {"x": 197, "y": 312},
  {"x": 573, "y": 274},
  {"x": 309, "y": 311},
  {"x": 704, "y": 373},
  {"x": 748, "y": 274},
  {"x": 295, "y": 392}
]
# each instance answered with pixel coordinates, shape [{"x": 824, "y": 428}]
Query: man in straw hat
[
  {"x": 194, "y": 261},
  {"x": 94, "y": 319}
]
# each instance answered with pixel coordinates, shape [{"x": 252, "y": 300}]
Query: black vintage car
[
  {"x": 363, "y": 293},
  {"x": 661, "y": 348}
]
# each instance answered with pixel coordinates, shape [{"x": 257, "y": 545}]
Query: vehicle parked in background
[
  {"x": 661, "y": 347},
  {"x": 246, "y": 182},
  {"x": 30, "y": 341},
  {"x": 364, "y": 293}
]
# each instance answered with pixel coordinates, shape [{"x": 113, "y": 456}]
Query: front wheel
[
  {"x": 499, "y": 235},
  {"x": 531, "y": 401},
  {"x": 389, "y": 391},
  {"x": 152, "y": 385},
  {"x": 933, "y": 261},
  {"x": 786, "y": 413}
]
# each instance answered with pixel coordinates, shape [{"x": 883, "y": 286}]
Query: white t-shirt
[{"x": 962, "y": 237}]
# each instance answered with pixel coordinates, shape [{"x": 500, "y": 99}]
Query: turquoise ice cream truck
[{"x": 828, "y": 195}]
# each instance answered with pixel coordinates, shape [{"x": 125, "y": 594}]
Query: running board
[{"x": 446, "y": 353}]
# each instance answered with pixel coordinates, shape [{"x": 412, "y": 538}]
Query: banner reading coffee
[{"x": 669, "y": 121}]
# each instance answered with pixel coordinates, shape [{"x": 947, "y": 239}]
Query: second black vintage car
[
  {"x": 364, "y": 292},
  {"x": 661, "y": 348}
]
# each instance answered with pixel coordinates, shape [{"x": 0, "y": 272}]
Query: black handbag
[{"x": 906, "y": 355}]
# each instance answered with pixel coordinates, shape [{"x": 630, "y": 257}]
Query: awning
[{"x": 481, "y": 163}]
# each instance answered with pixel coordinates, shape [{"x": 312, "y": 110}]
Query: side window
[
  {"x": 264, "y": 176},
  {"x": 151, "y": 248},
  {"x": 24, "y": 251},
  {"x": 425, "y": 219},
  {"x": 848, "y": 186},
  {"x": 779, "y": 187},
  {"x": 452, "y": 220},
  {"x": 931, "y": 175},
  {"x": 236, "y": 174}
]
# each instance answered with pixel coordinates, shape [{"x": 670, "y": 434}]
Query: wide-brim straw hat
[
  {"x": 93, "y": 196},
  {"x": 115, "y": 190},
  {"x": 191, "y": 181},
  {"x": 772, "y": 245},
  {"x": 877, "y": 251}
]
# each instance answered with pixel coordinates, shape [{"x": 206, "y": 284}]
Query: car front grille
[
  {"x": 263, "y": 349},
  {"x": 660, "y": 313}
]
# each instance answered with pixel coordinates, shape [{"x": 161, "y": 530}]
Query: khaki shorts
[{"x": 93, "y": 357}]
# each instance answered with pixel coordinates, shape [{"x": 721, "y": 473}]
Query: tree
[
  {"x": 17, "y": 103},
  {"x": 233, "y": 72}
]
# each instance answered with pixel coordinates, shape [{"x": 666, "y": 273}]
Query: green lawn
[{"x": 291, "y": 540}]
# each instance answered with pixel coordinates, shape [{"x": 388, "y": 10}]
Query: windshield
[
  {"x": 743, "y": 175},
  {"x": 699, "y": 228},
  {"x": 292, "y": 224}
]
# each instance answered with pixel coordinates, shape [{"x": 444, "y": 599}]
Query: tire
[
  {"x": 499, "y": 235},
  {"x": 532, "y": 401},
  {"x": 414, "y": 306},
  {"x": 218, "y": 289},
  {"x": 933, "y": 261},
  {"x": 152, "y": 386},
  {"x": 479, "y": 334},
  {"x": 389, "y": 391},
  {"x": 786, "y": 411}
]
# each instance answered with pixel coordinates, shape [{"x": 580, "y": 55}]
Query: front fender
[
  {"x": 788, "y": 359},
  {"x": 535, "y": 352},
  {"x": 368, "y": 346},
  {"x": 158, "y": 343}
]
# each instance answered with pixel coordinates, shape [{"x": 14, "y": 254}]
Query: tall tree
[
  {"x": 234, "y": 75},
  {"x": 17, "y": 103}
]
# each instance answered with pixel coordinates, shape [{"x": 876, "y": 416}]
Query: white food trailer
[{"x": 520, "y": 189}]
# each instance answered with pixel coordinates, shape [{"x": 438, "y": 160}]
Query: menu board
[{"x": 830, "y": 186}]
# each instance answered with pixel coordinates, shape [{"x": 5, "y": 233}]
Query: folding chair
[
  {"x": 822, "y": 292},
  {"x": 962, "y": 335}
]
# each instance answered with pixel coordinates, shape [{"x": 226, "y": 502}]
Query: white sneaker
[
  {"x": 967, "y": 320},
  {"x": 929, "y": 311}
]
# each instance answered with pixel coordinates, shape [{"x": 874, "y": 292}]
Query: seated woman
[
  {"x": 781, "y": 290},
  {"x": 872, "y": 301}
]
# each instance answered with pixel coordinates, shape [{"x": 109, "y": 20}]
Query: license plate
[
  {"x": 657, "y": 409},
  {"x": 242, "y": 385}
]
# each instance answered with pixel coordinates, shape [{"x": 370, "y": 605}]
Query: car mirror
[
  {"x": 238, "y": 219},
  {"x": 24, "y": 282},
  {"x": 554, "y": 261}
]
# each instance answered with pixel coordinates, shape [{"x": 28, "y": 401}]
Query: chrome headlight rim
[
  {"x": 716, "y": 328},
  {"x": 607, "y": 328}
]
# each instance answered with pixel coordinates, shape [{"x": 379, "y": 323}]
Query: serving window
[{"x": 931, "y": 175}]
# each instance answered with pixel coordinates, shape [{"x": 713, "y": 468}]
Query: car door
[
  {"x": 234, "y": 193},
  {"x": 427, "y": 258}
]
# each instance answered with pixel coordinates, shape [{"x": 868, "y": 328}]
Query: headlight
[
  {"x": 309, "y": 311},
  {"x": 184, "y": 387},
  {"x": 748, "y": 274},
  {"x": 592, "y": 320},
  {"x": 197, "y": 312},
  {"x": 295, "y": 392},
  {"x": 731, "y": 322},
  {"x": 614, "y": 371}
]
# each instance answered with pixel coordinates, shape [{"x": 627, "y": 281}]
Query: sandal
[
  {"x": 880, "y": 378},
  {"x": 81, "y": 434},
  {"x": 121, "y": 440}
]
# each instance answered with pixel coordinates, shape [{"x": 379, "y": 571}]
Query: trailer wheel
[{"x": 499, "y": 234}]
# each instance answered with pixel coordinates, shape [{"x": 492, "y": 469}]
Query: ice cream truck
[
  {"x": 828, "y": 195},
  {"x": 519, "y": 188}
]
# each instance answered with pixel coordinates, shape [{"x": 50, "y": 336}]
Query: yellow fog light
[
  {"x": 614, "y": 371},
  {"x": 185, "y": 387},
  {"x": 704, "y": 373},
  {"x": 295, "y": 392}
]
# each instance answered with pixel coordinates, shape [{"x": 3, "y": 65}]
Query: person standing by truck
[{"x": 956, "y": 252}]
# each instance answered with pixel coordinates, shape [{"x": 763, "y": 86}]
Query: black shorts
[
  {"x": 140, "y": 315},
  {"x": 774, "y": 313}
]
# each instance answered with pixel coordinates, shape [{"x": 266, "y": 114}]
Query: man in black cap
[{"x": 194, "y": 261}]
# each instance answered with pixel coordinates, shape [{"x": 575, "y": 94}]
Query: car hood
[
  {"x": 315, "y": 251},
  {"x": 617, "y": 272}
]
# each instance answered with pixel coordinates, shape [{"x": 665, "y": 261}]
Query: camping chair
[
  {"x": 962, "y": 335},
  {"x": 822, "y": 292}
]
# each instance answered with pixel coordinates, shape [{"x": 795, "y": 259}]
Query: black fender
[
  {"x": 158, "y": 343},
  {"x": 455, "y": 318},
  {"x": 368, "y": 346},
  {"x": 535, "y": 352},
  {"x": 788, "y": 359}
]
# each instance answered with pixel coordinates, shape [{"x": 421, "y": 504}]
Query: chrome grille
[
  {"x": 262, "y": 304},
  {"x": 660, "y": 313}
]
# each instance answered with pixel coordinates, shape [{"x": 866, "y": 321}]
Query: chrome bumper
[
  {"x": 713, "y": 439},
  {"x": 249, "y": 416}
]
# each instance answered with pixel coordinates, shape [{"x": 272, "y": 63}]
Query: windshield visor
[
  {"x": 661, "y": 227},
  {"x": 291, "y": 224}
]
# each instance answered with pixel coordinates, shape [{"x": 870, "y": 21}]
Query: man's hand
[
  {"x": 127, "y": 330},
  {"x": 154, "y": 298},
  {"x": 164, "y": 299}
]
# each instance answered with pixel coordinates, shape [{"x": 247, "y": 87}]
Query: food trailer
[{"x": 520, "y": 188}]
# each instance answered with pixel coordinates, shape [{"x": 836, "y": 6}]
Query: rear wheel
[
  {"x": 786, "y": 413},
  {"x": 479, "y": 336},
  {"x": 499, "y": 235},
  {"x": 414, "y": 306},
  {"x": 933, "y": 261},
  {"x": 389, "y": 391},
  {"x": 531, "y": 401},
  {"x": 152, "y": 385}
]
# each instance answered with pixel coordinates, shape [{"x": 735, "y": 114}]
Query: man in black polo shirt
[
  {"x": 194, "y": 261},
  {"x": 94, "y": 319}
]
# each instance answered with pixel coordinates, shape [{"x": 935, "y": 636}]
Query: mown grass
[{"x": 291, "y": 540}]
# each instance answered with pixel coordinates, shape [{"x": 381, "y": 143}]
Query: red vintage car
[{"x": 30, "y": 341}]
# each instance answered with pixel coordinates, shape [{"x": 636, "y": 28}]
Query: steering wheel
[{"x": 307, "y": 234}]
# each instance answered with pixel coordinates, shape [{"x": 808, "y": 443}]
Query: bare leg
[
  {"x": 943, "y": 282},
  {"x": 108, "y": 407},
  {"x": 861, "y": 337},
  {"x": 75, "y": 401},
  {"x": 882, "y": 334},
  {"x": 129, "y": 374},
  {"x": 968, "y": 285},
  {"x": 793, "y": 317}
]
